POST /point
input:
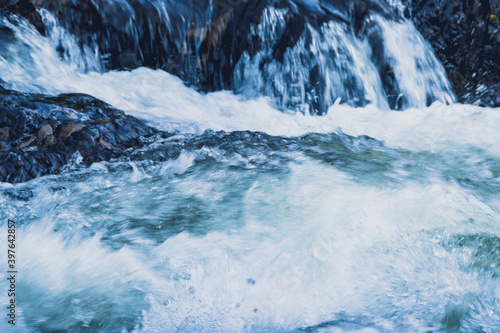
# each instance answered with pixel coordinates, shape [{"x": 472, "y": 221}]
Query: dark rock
[
  {"x": 42, "y": 133},
  {"x": 4, "y": 133},
  {"x": 194, "y": 42},
  {"x": 26, "y": 9},
  {"x": 203, "y": 46},
  {"x": 465, "y": 35}
]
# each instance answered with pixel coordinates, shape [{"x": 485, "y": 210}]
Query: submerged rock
[{"x": 40, "y": 134}]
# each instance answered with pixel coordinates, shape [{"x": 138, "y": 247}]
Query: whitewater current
[{"x": 380, "y": 221}]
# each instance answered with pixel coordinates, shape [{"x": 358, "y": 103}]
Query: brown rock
[
  {"x": 44, "y": 132},
  {"x": 106, "y": 145},
  {"x": 50, "y": 140},
  {"x": 69, "y": 129},
  {"x": 27, "y": 143},
  {"x": 4, "y": 133}
]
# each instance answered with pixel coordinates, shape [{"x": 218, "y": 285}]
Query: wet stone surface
[
  {"x": 465, "y": 36},
  {"x": 39, "y": 134}
]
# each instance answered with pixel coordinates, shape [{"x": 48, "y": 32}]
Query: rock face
[
  {"x": 203, "y": 42},
  {"x": 39, "y": 135},
  {"x": 465, "y": 35},
  {"x": 203, "y": 46}
]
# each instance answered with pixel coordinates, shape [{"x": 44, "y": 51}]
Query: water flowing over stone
[
  {"x": 250, "y": 165},
  {"x": 304, "y": 55}
]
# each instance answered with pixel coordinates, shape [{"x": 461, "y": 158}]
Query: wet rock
[
  {"x": 42, "y": 135},
  {"x": 204, "y": 46},
  {"x": 27, "y": 143},
  {"x": 69, "y": 129},
  {"x": 49, "y": 141},
  {"x": 466, "y": 38},
  {"x": 4, "y": 133},
  {"x": 43, "y": 132},
  {"x": 23, "y": 8},
  {"x": 104, "y": 144}
]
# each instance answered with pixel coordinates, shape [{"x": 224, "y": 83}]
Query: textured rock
[
  {"x": 4, "y": 133},
  {"x": 44, "y": 132},
  {"x": 192, "y": 42},
  {"x": 40, "y": 134},
  {"x": 465, "y": 35},
  {"x": 69, "y": 129}
]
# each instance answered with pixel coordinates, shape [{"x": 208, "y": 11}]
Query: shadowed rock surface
[
  {"x": 39, "y": 135},
  {"x": 23, "y": 8},
  {"x": 465, "y": 35},
  {"x": 192, "y": 39}
]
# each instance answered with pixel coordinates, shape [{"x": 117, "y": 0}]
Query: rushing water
[{"x": 361, "y": 220}]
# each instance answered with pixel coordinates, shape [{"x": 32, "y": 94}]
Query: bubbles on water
[
  {"x": 251, "y": 249},
  {"x": 68, "y": 283}
]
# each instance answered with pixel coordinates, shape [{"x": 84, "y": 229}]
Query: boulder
[
  {"x": 40, "y": 134},
  {"x": 202, "y": 41}
]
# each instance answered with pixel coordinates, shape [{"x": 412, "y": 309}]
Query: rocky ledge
[{"x": 40, "y": 135}]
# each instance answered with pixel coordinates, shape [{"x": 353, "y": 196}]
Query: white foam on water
[
  {"x": 83, "y": 282},
  {"x": 317, "y": 245},
  {"x": 418, "y": 73},
  {"x": 296, "y": 251},
  {"x": 164, "y": 101},
  {"x": 334, "y": 52},
  {"x": 303, "y": 248}
]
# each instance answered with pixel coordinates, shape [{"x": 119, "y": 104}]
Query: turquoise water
[{"x": 265, "y": 220}]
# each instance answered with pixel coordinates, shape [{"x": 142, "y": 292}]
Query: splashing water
[
  {"x": 361, "y": 220},
  {"x": 333, "y": 63},
  {"x": 334, "y": 56}
]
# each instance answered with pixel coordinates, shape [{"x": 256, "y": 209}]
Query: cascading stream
[
  {"x": 254, "y": 213},
  {"x": 303, "y": 65}
]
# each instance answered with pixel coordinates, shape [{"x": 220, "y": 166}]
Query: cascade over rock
[{"x": 305, "y": 55}]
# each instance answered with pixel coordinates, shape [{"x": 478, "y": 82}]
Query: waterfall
[
  {"x": 347, "y": 55},
  {"x": 243, "y": 166}
]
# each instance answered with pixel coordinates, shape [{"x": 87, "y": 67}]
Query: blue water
[{"x": 362, "y": 220}]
